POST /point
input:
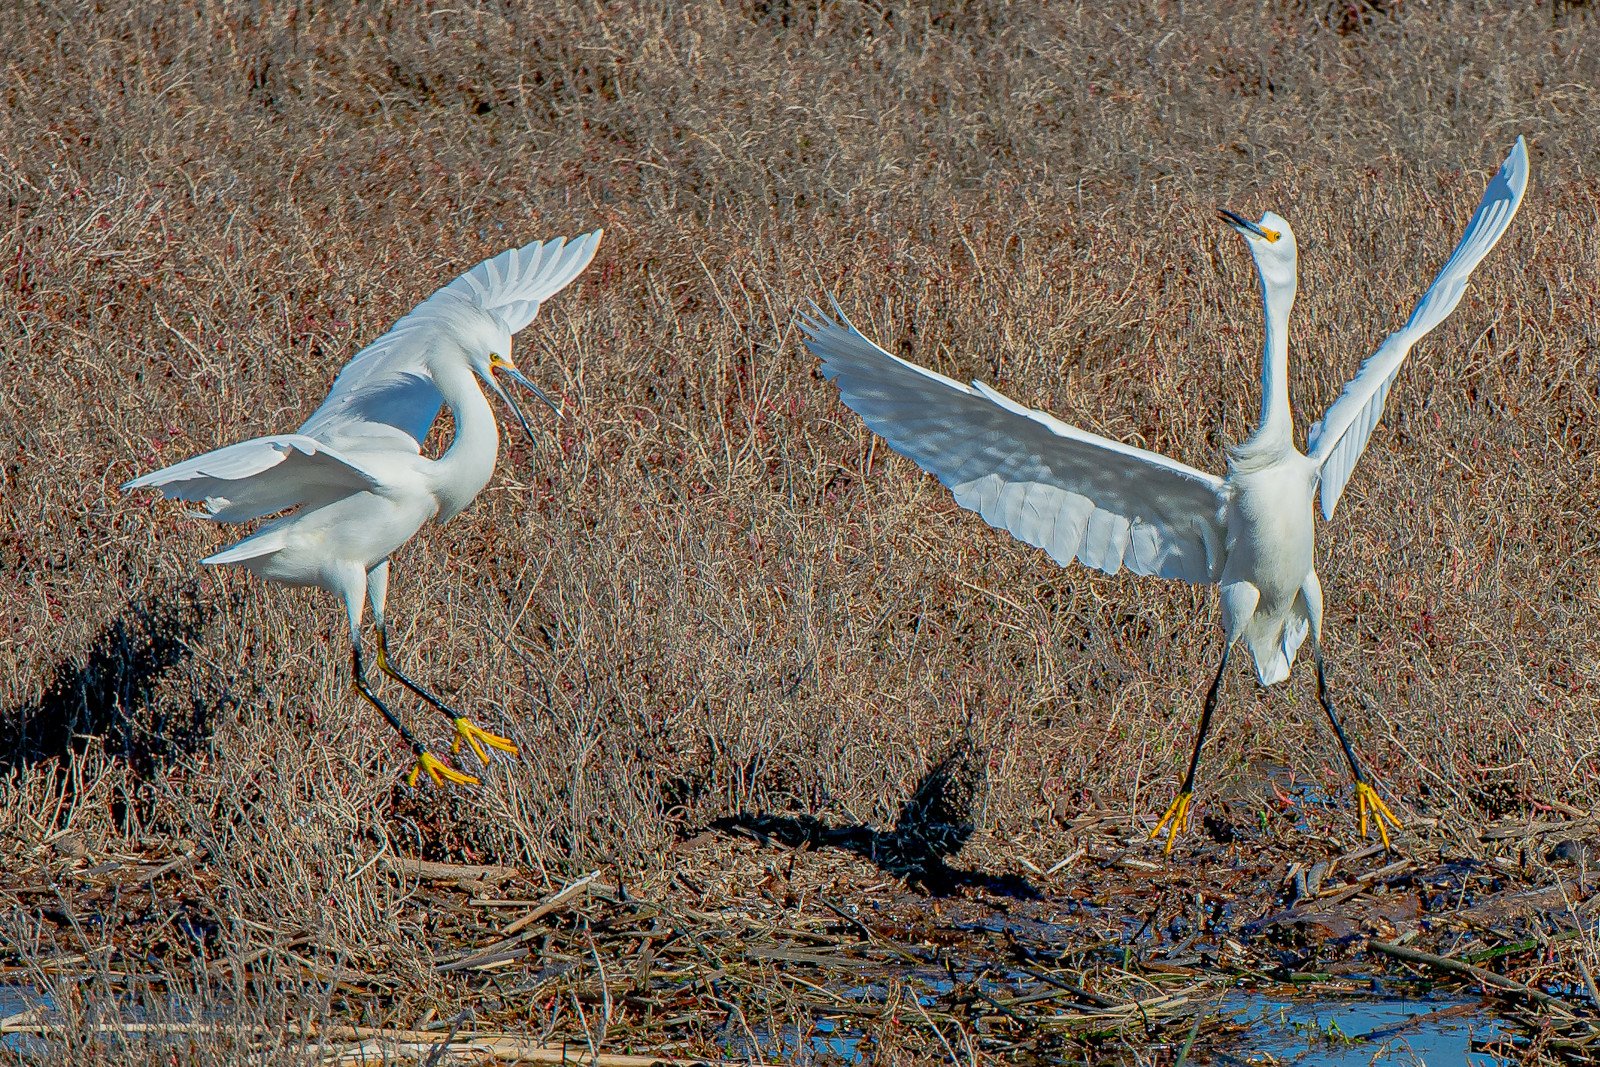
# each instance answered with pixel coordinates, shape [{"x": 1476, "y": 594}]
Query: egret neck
[
  {"x": 468, "y": 464},
  {"x": 1275, "y": 433},
  {"x": 1275, "y": 418}
]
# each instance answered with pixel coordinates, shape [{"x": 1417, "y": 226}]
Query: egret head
[
  {"x": 1271, "y": 243},
  {"x": 489, "y": 350},
  {"x": 501, "y": 361}
]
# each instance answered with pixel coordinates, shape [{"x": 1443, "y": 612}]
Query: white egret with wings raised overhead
[{"x": 1110, "y": 505}]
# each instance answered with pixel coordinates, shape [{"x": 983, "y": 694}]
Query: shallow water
[
  {"x": 1358, "y": 1032},
  {"x": 829, "y": 1042},
  {"x": 15, "y": 1000},
  {"x": 1344, "y": 1032},
  {"x": 1350, "y": 1032}
]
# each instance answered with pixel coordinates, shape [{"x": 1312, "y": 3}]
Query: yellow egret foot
[
  {"x": 427, "y": 763},
  {"x": 1178, "y": 816},
  {"x": 437, "y": 769},
  {"x": 477, "y": 737},
  {"x": 1369, "y": 803}
]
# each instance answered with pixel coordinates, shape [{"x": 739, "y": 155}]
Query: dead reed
[{"x": 710, "y": 592}]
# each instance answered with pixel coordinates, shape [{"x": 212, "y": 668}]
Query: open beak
[
  {"x": 518, "y": 377},
  {"x": 1242, "y": 224}
]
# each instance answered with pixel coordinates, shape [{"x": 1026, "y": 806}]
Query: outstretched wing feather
[
  {"x": 1336, "y": 442},
  {"x": 1072, "y": 493},
  {"x": 260, "y": 477},
  {"x": 385, "y": 390}
]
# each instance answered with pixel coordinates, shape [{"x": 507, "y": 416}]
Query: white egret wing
[
  {"x": 514, "y": 283},
  {"x": 1072, "y": 493},
  {"x": 1338, "y": 440},
  {"x": 260, "y": 477},
  {"x": 384, "y": 397}
]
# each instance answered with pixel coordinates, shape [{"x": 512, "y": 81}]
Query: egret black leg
[
  {"x": 359, "y": 670},
  {"x": 1205, "y": 720},
  {"x": 1178, "y": 814},
  {"x": 386, "y": 665},
  {"x": 1367, "y": 800},
  {"x": 1327, "y": 706},
  {"x": 427, "y": 762},
  {"x": 479, "y": 739}
]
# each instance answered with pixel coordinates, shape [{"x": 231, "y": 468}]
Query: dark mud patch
[{"x": 761, "y": 947}]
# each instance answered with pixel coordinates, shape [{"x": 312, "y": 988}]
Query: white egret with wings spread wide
[{"x": 1110, "y": 505}]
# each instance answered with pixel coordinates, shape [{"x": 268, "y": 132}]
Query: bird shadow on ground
[
  {"x": 933, "y": 825},
  {"x": 107, "y": 695}
]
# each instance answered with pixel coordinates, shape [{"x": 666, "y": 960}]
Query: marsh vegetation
[{"x": 732, "y": 634}]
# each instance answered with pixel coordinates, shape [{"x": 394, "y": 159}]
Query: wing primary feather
[
  {"x": 386, "y": 390},
  {"x": 1337, "y": 440}
]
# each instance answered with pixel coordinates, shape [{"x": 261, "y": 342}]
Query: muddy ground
[{"x": 785, "y": 938}]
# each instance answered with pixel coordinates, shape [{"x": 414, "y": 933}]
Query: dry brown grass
[{"x": 710, "y": 590}]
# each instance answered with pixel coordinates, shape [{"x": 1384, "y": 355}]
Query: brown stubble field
[{"x": 709, "y": 591}]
